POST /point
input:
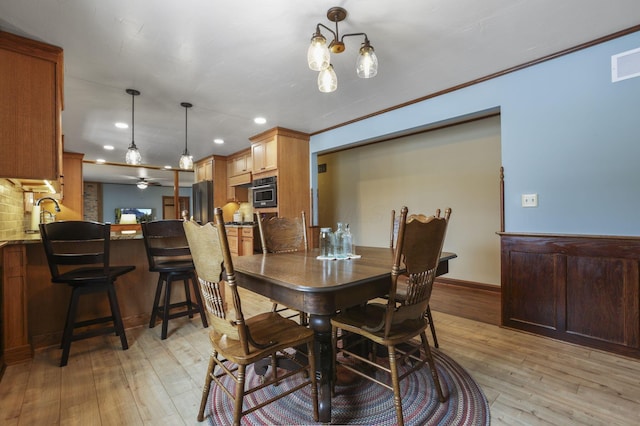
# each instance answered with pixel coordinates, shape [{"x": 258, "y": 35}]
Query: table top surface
[{"x": 302, "y": 271}]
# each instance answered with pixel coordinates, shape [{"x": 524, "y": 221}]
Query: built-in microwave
[{"x": 265, "y": 192}]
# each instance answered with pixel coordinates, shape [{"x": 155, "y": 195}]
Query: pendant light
[
  {"x": 186, "y": 160},
  {"x": 133, "y": 155}
]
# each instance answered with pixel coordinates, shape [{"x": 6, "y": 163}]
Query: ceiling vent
[{"x": 625, "y": 65}]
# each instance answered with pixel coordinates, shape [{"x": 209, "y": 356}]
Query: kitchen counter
[
  {"x": 34, "y": 308},
  {"x": 21, "y": 237}
]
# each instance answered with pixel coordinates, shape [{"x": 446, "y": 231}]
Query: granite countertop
[{"x": 21, "y": 237}]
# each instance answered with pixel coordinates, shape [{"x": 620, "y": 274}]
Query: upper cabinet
[
  {"x": 240, "y": 163},
  {"x": 239, "y": 175},
  {"x": 213, "y": 168},
  {"x": 264, "y": 154},
  {"x": 31, "y": 88}
]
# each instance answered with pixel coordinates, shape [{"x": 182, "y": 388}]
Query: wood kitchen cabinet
[
  {"x": 264, "y": 154},
  {"x": 284, "y": 153},
  {"x": 240, "y": 163},
  {"x": 15, "y": 336},
  {"x": 213, "y": 168},
  {"x": 31, "y": 89},
  {"x": 241, "y": 240},
  {"x": 239, "y": 173},
  {"x": 72, "y": 188}
]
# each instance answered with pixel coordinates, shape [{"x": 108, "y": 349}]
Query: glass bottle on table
[
  {"x": 347, "y": 242},
  {"x": 327, "y": 243},
  {"x": 339, "y": 239}
]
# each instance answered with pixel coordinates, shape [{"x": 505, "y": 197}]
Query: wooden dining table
[{"x": 320, "y": 288}]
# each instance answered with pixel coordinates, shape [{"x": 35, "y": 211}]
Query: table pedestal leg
[{"x": 321, "y": 325}]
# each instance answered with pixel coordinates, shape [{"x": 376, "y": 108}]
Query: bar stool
[
  {"x": 82, "y": 250},
  {"x": 168, "y": 254}
]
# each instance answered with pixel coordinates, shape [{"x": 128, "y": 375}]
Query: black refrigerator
[{"x": 202, "y": 196}]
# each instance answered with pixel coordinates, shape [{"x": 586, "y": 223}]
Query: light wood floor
[{"x": 528, "y": 380}]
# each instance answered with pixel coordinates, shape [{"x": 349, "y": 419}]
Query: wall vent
[{"x": 625, "y": 65}]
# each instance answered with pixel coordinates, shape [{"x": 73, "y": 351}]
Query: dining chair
[
  {"x": 168, "y": 254},
  {"x": 284, "y": 235},
  {"x": 395, "y": 220},
  {"x": 394, "y": 325},
  {"x": 238, "y": 342},
  {"x": 78, "y": 255}
]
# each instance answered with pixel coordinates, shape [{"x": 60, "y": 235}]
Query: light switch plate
[{"x": 529, "y": 200}]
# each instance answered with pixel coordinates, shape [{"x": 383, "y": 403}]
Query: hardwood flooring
[{"x": 528, "y": 380}]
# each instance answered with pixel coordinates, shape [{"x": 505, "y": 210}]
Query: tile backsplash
[{"x": 11, "y": 209}]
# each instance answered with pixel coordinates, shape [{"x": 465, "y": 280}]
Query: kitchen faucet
[
  {"x": 43, "y": 212},
  {"x": 49, "y": 198}
]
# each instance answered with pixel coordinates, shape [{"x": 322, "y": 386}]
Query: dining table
[{"x": 320, "y": 288}]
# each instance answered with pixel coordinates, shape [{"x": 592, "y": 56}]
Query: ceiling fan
[{"x": 143, "y": 183}]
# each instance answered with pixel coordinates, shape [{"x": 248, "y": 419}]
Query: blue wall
[
  {"x": 116, "y": 196},
  {"x": 568, "y": 134}
]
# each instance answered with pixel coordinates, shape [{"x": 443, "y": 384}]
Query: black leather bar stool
[
  {"x": 168, "y": 254},
  {"x": 78, "y": 255}
]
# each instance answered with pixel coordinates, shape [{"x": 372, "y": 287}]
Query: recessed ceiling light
[
  {"x": 100, "y": 160},
  {"x": 167, "y": 167},
  {"x": 122, "y": 125},
  {"x": 108, "y": 147},
  {"x": 218, "y": 141},
  {"x": 259, "y": 120}
]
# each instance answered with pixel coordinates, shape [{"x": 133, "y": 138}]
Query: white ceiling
[{"x": 238, "y": 59}]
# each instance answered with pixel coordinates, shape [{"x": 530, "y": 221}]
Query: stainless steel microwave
[{"x": 265, "y": 192}]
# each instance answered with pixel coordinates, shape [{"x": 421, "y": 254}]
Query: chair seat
[
  {"x": 370, "y": 316},
  {"x": 173, "y": 266},
  {"x": 264, "y": 328},
  {"x": 90, "y": 275}
]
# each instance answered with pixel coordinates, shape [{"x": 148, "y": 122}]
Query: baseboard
[{"x": 467, "y": 284}]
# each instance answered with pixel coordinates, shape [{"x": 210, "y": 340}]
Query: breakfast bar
[{"x": 33, "y": 308}]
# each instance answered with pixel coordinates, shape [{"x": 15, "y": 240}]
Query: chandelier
[
  {"x": 133, "y": 155},
  {"x": 186, "y": 160},
  {"x": 318, "y": 55}
]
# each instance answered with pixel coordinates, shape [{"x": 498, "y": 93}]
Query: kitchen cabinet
[
  {"x": 234, "y": 241},
  {"x": 242, "y": 240},
  {"x": 264, "y": 155},
  {"x": 284, "y": 153},
  {"x": 15, "y": 336},
  {"x": 72, "y": 202},
  {"x": 213, "y": 168},
  {"x": 203, "y": 169},
  {"x": 247, "y": 235},
  {"x": 31, "y": 89},
  {"x": 240, "y": 163},
  {"x": 239, "y": 173}
]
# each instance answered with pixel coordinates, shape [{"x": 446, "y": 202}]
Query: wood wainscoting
[{"x": 579, "y": 289}]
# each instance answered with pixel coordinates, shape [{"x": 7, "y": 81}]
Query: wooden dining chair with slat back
[
  {"x": 401, "y": 290},
  {"x": 238, "y": 342},
  {"x": 283, "y": 235},
  {"x": 168, "y": 254},
  {"x": 395, "y": 325},
  {"x": 78, "y": 254}
]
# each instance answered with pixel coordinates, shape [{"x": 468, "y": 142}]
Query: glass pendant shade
[
  {"x": 367, "y": 64},
  {"x": 327, "y": 80},
  {"x": 318, "y": 53},
  {"x": 133, "y": 155},
  {"x": 186, "y": 161}
]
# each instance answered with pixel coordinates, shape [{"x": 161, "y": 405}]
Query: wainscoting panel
[{"x": 580, "y": 289}]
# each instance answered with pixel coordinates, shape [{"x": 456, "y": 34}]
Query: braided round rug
[{"x": 363, "y": 402}]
